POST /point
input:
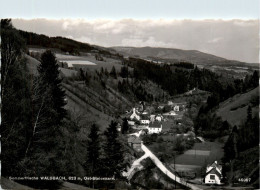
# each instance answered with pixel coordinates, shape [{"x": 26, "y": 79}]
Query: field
[
  {"x": 196, "y": 159},
  {"x": 89, "y": 62},
  {"x": 85, "y": 61}
]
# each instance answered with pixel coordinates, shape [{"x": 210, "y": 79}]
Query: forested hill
[
  {"x": 194, "y": 56},
  {"x": 61, "y": 43}
]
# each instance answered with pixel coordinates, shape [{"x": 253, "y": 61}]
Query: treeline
[
  {"x": 209, "y": 124},
  {"x": 175, "y": 80},
  {"x": 105, "y": 156},
  {"x": 184, "y": 64},
  {"x": 138, "y": 90},
  {"x": 38, "y": 136},
  {"x": 62, "y": 43}
]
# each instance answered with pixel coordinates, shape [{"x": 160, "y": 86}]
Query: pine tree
[
  {"x": 125, "y": 126},
  {"x": 249, "y": 113},
  {"x": 92, "y": 165},
  {"x": 255, "y": 79},
  {"x": 82, "y": 75},
  {"x": 124, "y": 72},
  {"x": 113, "y": 72},
  {"x": 87, "y": 78},
  {"x": 44, "y": 151},
  {"x": 48, "y": 70},
  {"x": 106, "y": 72},
  {"x": 113, "y": 152}
]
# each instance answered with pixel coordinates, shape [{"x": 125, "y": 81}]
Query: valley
[{"x": 135, "y": 117}]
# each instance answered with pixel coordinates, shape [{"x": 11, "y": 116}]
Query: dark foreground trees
[
  {"x": 15, "y": 96},
  {"x": 113, "y": 152},
  {"x": 32, "y": 114},
  {"x": 93, "y": 161}
]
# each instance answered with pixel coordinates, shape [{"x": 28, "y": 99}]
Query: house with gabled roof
[
  {"x": 154, "y": 127},
  {"x": 213, "y": 174},
  {"x": 158, "y": 117},
  {"x": 135, "y": 115},
  {"x": 145, "y": 119},
  {"x": 135, "y": 142}
]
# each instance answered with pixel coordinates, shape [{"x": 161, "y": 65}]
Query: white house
[
  {"x": 170, "y": 103},
  {"x": 152, "y": 118},
  {"x": 118, "y": 127},
  {"x": 145, "y": 119},
  {"x": 176, "y": 108},
  {"x": 159, "y": 117},
  {"x": 213, "y": 174},
  {"x": 135, "y": 115},
  {"x": 171, "y": 113},
  {"x": 131, "y": 122},
  {"x": 154, "y": 127}
]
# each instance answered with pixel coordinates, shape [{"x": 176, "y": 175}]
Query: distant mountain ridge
[
  {"x": 154, "y": 53},
  {"x": 193, "y": 56}
]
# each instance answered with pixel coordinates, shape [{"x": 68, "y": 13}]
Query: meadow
[{"x": 196, "y": 159}]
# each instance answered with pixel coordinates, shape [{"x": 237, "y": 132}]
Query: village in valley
[
  {"x": 137, "y": 119},
  {"x": 151, "y": 125}
]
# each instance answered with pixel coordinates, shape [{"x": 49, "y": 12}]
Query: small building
[
  {"x": 213, "y": 174},
  {"x": 131, "y": 122},
  {"x": 159, "y": 117},
  {"x": 118, "y": 127},
  {"x": 171, "y": 113},
  {"x": 135, "y": 143},
  {"x": 176, "y": 108},
  {"x": 160, "y": 107},
  {"x": 145, "y": 119},
  {"x": 155, "y": 127},
  {"x": 152, "y": 118},
  {"x": 170, "y": 103},
  {"x": 134, "y": 115}
]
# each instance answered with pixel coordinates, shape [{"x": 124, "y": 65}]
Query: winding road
[{"x": 137, "y": 166}]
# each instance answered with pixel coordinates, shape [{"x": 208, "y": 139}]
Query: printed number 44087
[{"x": 245, "y": 180}]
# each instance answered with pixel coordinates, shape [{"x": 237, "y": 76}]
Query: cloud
[
  {"x": 232, "y": 39},
  {"x": 215, "y": 40}
]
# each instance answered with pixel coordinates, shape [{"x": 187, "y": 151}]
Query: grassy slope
[
  {"x": 32, "y": 64},
  {"x": 108, "y": 63},
  {"x": 234, "y": 110}
]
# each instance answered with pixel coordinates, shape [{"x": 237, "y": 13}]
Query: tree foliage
[{"x": 113, "y": 152}]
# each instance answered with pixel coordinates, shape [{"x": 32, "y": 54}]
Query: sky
[{"x": 226, "y": 28}]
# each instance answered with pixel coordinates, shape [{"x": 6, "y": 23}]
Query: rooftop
[
  {"x": 145, "y": 117},
  {"x": 134, "y": 140},
  {"x": 155, "y": 124},
  {"x": 214, "y": 171}
]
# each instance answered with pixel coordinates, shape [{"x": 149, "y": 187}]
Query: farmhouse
[
  {"x": 159, "y": 117},
  {"x": 213, "y": 174},
  {"x": 145, "y": 119},
  {"x": 131, "y": 122},
  {"x": 118, "y": 127},
  {"x": 152, "y": 117},
  {"x": 135, "y": 143},
  {"x": 176, "y": 108},
  {"x": 155, "y": 127},
  {"x": 170, "y": 103}
]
